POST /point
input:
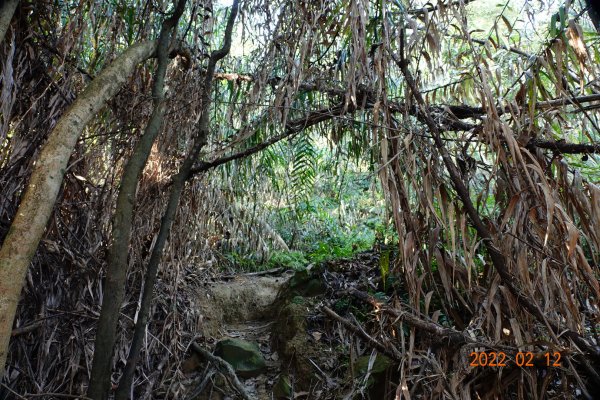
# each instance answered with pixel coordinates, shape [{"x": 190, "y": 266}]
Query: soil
[
  {"x": 282, "y": 314},
  {"x": 237, "y": 303},
  {"x": 241, "y": 307}
]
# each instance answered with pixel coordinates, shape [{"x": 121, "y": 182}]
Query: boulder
[{"x": 245, "y": 357}]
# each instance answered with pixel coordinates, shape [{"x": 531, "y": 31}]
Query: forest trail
[
  {"x": 234, "y": 300},
  {"x": 241, "y": 307},
  {"x": 429, "y": 172},
  {"x": 287, "y": 320}
]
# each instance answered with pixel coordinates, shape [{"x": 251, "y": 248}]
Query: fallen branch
[
  {"x": 224, "y": 367},
  {"x": 200, "y": 388},
  {"x": 56, "y": 395},
  {"x": 271, "y": 271},
  {"x": 439, "y": 333},
  {"x": 27, "y": 328},
  {"x": 350, "y": 326}
]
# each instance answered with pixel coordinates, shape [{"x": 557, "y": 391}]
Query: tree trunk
[
  {"x": 37, "y": 203},
  {"x": 182, "y": 176},
  {"x": 7, "y": 9},
  {"x": 594, "y": 12},
  {"x": 116, "y": 270}
]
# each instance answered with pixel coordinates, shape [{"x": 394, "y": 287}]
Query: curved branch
[
  {"x": 46, "y": 179},
  {"x": 292, "y": 128}
]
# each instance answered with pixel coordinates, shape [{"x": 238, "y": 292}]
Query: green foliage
[
  {"x": 303, "y": 170},
  {"x": 384, "y": 266},
  {"x": 295, "y": 260},
  {"x": 242, "y": 262}
]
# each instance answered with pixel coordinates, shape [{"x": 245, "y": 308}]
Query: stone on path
[{"x": 245, "y": 357}]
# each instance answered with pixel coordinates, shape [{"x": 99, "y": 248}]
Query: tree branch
[
  {"x": 564, "y": 147},
  {"x": 359, "y": 331},
  {"x": 292, "y": 128},
  {"x": 223, "y": 366},
  {"x": 498, "y": 259}
]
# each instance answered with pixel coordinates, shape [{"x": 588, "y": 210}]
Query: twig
[
  {"x": 66, "y": 396},
  {"x": 258, "y": 273},
  {"x": 27, "y": 328},
  {"x": 13, "y": 392},
  {"x": 350, "y": 326},
  {"x": 223, "y": 366},
  {"x": 202, "y": 384},
  {"x": 431, "y": 8},
  {"x": 33, "y": 326},
  {"x": 330, "y": 382},
  {"x": 439, "y": 333}
]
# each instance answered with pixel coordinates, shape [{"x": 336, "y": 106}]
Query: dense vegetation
[{"x": 148, "y": 145}]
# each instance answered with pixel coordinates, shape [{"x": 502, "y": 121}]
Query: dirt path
[{"x": 240, "y": 307}]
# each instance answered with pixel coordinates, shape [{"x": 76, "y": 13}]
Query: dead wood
[
  {"x": 392, "y": 353},
  {"x": 224, "y": 367}
]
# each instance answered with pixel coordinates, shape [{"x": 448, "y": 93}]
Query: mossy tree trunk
[
  {"x": 37, "y": 203},
  {"x": 116, "y": 273},
  {"x": 200, "y": 140}
]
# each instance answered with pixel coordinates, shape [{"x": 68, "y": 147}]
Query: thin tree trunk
[
  {"x": 7, "y": 10},
  {"x": 179, "y": 180},
  {"x": 116, "y": 271},
  {"x": 38, "y": 201},
  {"x": 594, "y": 12}
]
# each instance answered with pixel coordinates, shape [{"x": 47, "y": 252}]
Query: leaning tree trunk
[
  {"x": 179, "y": 180},
  {"x": 7, "y": 9},
  {"x": 116, "y": 272},
  {"x": 38, "y": 201}
]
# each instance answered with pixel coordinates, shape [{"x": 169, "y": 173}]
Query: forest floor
[
  {"x": 307, "y": 353},
  {"x": 241, "y": 307}
]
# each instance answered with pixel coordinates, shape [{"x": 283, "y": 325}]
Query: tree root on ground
[{"x": 223, "y": 366}]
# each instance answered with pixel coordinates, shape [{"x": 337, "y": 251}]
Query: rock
[
  {"x": 380, "y": 364},
  {"x": 377, "y": 379},
  {"x": 245, "y": 357},
  {"x": 306, "y": 283},
  {"x": 293, "y": 344},
  {"x": 282, "y": 388}
]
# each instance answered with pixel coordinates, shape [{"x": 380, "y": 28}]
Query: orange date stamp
[{"x": 521, "y": 359}]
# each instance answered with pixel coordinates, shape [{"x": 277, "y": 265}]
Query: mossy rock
[
  {"x": 294, "y": 345},
  {"x": 282, "y": 388},
  {"x": 245, "y": 357},
  {"x": 380, "y": 365},
  {"x": 291, "y": 321},
  {"x": 379, "y": 374},
  {"x": 306, "y": 283}
]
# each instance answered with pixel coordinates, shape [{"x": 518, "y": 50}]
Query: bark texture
[
  {"x": 38, "y": 201},
  {"x": 116, "y": 273},
  {"x": 200, "y": 140},
  {"x": 7, "y": 9}
]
